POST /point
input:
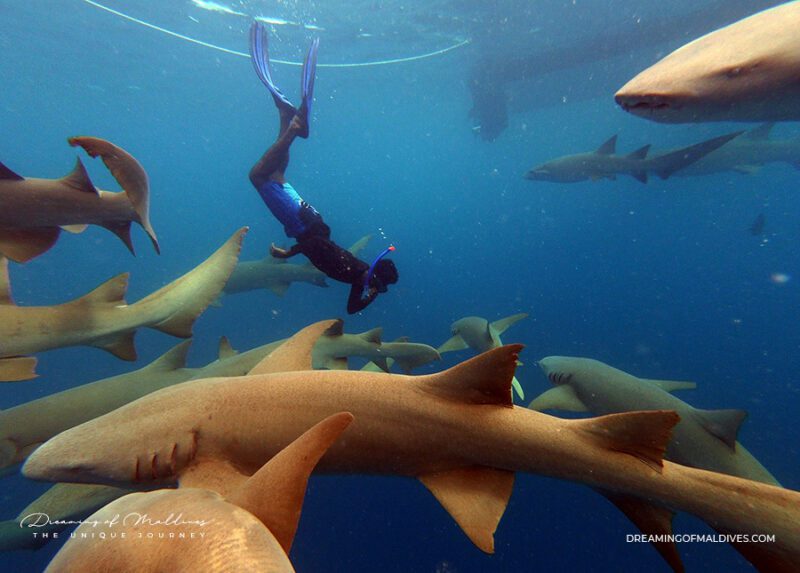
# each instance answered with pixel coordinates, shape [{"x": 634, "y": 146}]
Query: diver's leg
[{"x": 275, "y": 160}]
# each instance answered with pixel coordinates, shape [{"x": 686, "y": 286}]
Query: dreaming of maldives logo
[{"x": 128, "y": 526}]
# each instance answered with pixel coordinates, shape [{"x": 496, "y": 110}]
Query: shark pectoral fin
[
  {"x": 671, "y": 385},
  {"x": 644, "y": 435},
  {"x": 651, "y": 520},
  {"x": 518, "y": 388},
  {"x": 372, "y": 367},
  {"x": 22, "y": 245},
  {"x": 372, "y": 336},
  {"x": 455, "y": 343},
  {"x": 722, "y": 424},
  {"x": 173, "y": 359},
  {"x": 76, "y": 229},
  {"x": 278, "y": 287},
  {"x": 225, "y": 349},
  {"x": 675, "y": 161},
  {"x": 120, "y": 345},
  {"x": 561, "y": 397},
  {"x": 759, "y": 133},
  {"x": 5, "y": 283},
  {"x": 295, "y": 353},
  {"x": 484, "y": 379},
  {"x": 17, "y": 369},
  {"x": 475, "y": 497},
  {"x": 275, "y": 493},
  {"x": 640, "y": 176},
  {"x": 381, "y": 363},
  {"x": 500, "y": 326},
  {"x": 121, "y": 229},
  {"x": 213, "y": 474},
  {"x": 78, "y": 179}
]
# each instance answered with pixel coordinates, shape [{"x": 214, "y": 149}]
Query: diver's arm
[
  {"x": 355, "y": 303},
  {"x": 279, "y": 253}
]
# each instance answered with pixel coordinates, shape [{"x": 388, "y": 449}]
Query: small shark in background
[
  {"x": 747, "y": 71},
  {"x": 757, "y": 226},
  {"x": 605, "y": 164},
  {"x": 747, "y": 153}
]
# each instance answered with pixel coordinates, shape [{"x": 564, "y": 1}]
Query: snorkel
[{"x": 371, "y": 271}]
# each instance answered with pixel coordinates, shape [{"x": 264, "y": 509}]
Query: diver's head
[{"x": 385, "y": 274}]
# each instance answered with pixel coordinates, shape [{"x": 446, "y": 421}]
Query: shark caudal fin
[
  {"x": 131, "y": 176},
  {"x": 174, "y": 308},
  {"x": 275, "y": 493},
  {"x": 668, "y": 164}
]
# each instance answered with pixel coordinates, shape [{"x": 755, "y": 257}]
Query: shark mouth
[{"x": 639, "y": 104}]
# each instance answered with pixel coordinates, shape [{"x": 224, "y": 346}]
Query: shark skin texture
[
  {"x": 604, "y": 163},
  {"x": 46, "y": 206},
  {"x": 456, "y": 431},
  {"x": 704, "y": 439},
  {"x": 103, "y": 319},
  {"x": 250, "y": 530},
  {"x": 747, "y": 71}
]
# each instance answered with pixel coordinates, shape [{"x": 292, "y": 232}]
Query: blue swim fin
[
  {"x": 307, "y": 79},
  {"x": 259, "y": 55}
]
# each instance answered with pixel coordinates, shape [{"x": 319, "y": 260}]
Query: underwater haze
[{"x": 664, "y": 280}]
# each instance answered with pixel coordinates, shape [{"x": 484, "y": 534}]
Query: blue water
[{"x": 663, "y": 280}]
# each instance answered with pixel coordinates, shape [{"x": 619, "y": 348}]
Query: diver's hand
[{"x": 277, "y": 252}]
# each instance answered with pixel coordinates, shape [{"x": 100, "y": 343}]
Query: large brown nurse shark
[
  {"x": 103, "y": 319},
  {"x": 702, "y": 439},
  {"x": 251, "y": 530},
  {"x": 35, "y": 210},
  {"x": 457, "y": 431},
  {"x": 748, "y": 71}
]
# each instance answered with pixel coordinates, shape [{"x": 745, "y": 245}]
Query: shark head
[
  {"x": 744, "y": 72},
  {"x": 567, "y": 169}
]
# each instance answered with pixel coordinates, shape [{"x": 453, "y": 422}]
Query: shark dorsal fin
[
  {"x": 110, "y": 292},
  {"x": 225, "y": 349},
  {"x": 640, "y": 153},
  {"x": 373, "y": 336},
  {"x": 8, "y": 175},
  {"x": 500, "y": 326},
  {"x": 561, "y": 397},
  {"x": 295, "y": 353},
  {"x": 78, "y": 179},
  {"x": 454, "y": 343},
  {"x": 609, "y": 147},
  {"x": 651, "y": 520},
  {"x": 274, "y": 494},
  {"x": 644, "y": 435},
  {"x": 336, "y": 329},
  {"x": 484, "y": 379},
  {"x": 759, "y": 133},
  {"x": 173, "y": 359},
  {"x": 723, "y": 424},
  {"x": 5, "y": 283},
  {"x": 475, "y": 497},
  {"x": 670, "y": 385}
]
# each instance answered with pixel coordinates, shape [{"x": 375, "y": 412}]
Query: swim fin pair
[{"x": 259, "y": 54}]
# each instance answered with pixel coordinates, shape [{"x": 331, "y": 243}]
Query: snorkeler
[{"x": 300, "y": 220}]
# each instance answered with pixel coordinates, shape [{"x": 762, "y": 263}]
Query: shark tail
[
  {"x": 176, "y": 306},
  {"x": 667, "y": 165},
  {"x": 130, "y": 175}
]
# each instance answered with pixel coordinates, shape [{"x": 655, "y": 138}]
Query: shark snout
[{"x": 641, "y": 104}]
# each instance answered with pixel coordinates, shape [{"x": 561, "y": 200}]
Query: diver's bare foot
[{"x": 299, "y": 124}]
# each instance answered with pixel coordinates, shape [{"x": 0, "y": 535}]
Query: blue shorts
[{"x": 287, "y": 207}]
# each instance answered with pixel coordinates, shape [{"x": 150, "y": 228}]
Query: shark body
[
  {"x": 703, "y": 438},
  {"x": 103, "y": 319},
  {"x": 457, "y": 431},
  {"x": 35, "y": 210},
  {"x": 747, "y": 71},
  {"x": 604, "y": 163}
]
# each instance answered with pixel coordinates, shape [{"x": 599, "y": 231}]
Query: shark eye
[{"x": 739, "y": 70}]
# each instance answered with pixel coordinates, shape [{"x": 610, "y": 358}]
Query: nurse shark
[
  {"x": 747, "y": 71},
  {"x": 456, "y": 431}
]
